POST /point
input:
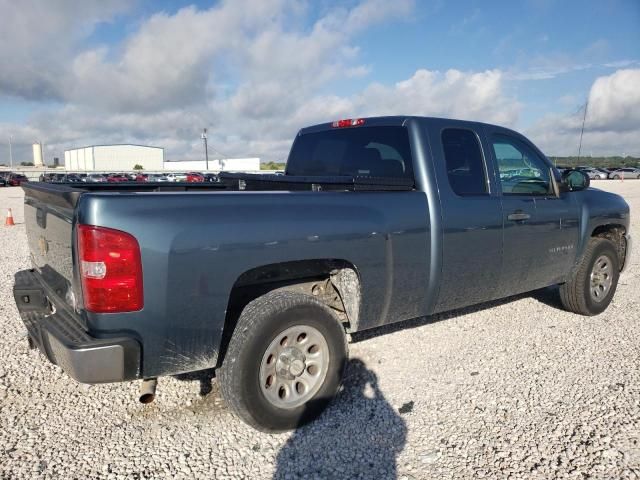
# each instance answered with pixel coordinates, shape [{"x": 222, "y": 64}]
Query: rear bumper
[{"x": 61, "y": 337}]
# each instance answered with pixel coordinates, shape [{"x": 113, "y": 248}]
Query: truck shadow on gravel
[
  {"x": 204, "y": 377},
  {"x": 360, "y": 435}
]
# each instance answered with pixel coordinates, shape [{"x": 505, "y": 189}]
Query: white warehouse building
[{"x": 113, "y": 158}]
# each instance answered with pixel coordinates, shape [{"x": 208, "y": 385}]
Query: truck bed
[{"x": 235, "y": 182}]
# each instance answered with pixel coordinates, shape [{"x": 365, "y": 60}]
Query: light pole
[
  {"x": 206, "y": 151},
  {"x": 10, "y": 152}
]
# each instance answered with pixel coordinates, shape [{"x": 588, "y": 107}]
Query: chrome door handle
[{"x": 518, "y": 216}]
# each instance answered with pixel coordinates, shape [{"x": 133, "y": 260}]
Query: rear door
[
  {"x": 540, "y": 224},
  {"x": 471, "y": 215}
]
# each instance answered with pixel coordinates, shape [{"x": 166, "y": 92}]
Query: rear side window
[
  {"x": 360, "y": 151},
  {"x": 465, "y": 165}
]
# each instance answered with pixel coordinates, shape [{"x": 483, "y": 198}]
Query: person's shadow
[{"x": 358, "y": 436}]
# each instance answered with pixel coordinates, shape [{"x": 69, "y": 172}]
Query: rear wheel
[
  {"x": 593, "y": 283},
  {"x": 284, "y": 362}
]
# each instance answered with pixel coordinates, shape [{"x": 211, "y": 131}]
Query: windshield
[{"x": 368, "y": 151}]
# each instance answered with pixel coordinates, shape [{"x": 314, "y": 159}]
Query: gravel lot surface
[{"x": 512, "y": 389}]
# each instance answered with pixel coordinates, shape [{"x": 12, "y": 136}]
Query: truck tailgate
[{"x": 48, "y": 214}]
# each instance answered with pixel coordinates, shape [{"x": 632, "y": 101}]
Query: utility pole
[
  {"x": 206, "y": 151},
  {"x": 10, "y": 151},
  {"x": 584, "y": 117}
]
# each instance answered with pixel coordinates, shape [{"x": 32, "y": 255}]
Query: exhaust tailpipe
[{"x": 148, "y": 390}]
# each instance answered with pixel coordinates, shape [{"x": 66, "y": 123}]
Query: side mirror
[{"x": 574, "y": 180}]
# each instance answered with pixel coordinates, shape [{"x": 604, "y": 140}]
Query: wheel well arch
[
  {"x": 334, "y": 282},
  {"x": 616, "y": 234}
]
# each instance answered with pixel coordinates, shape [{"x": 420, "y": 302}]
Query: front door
[{"x": 540, "y": 226}]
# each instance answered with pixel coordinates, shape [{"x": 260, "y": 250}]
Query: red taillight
[
  {"x": 110, "y": 270},
  {"x": 348, "y": 122}
]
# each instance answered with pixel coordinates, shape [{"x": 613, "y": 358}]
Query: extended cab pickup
[{"x": 262, "y": 277}]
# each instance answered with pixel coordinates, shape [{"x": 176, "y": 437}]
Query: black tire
[
  {"x": 258, "y": 326},
  {"x": 616, "y": 177},
  {"x": 575, "y": 294}
]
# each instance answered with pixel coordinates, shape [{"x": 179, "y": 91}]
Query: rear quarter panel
[{"x": 195, "y": 245}]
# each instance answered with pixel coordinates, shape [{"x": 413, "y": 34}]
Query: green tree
[
  {"x": 137, "y": 166},
  {"x": 26, "y": 164},
  {"x": 272, "y": 166}
]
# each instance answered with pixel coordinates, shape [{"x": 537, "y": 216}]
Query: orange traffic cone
[{"x": 9, "y": 221}]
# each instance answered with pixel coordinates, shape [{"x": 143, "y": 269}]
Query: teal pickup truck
[{"x": 262, "y": 277}]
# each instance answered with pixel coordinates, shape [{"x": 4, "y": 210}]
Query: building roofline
[{"x": 114, "y": 145}]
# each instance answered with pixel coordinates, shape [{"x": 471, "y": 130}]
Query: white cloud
[
  {"x": 614, "y": 102},
  {"x": 38, "y": 39},
  {"x": 548, "y": 72},
  {"x": 239, "y": 62},
  {"x": 469, "y": 95},
  {"x": 612, "y": 125},
  {"x": 253, "y": 72},
  {"x": 260, "y": 122},
  {"x": 172, "y": 60}
]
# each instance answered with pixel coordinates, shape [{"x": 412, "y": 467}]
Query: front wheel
[
  {"x": 593, "y": 282},
  {"x": 284, "y": 362}
]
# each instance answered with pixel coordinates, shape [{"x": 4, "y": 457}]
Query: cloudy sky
[{"x": 253, "y": 72}]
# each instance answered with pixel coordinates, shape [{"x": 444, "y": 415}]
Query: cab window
[
  {"x": 465, "y": 164},
  {"x": 380, "y": 151},
  {"x": 522, "y": 170}
]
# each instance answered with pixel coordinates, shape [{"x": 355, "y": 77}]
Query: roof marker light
[{"x": 348, "y": 122}]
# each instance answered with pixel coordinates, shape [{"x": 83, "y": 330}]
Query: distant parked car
[
  {"x": 117, "y": 178},
  {"x": 177, "y": 177},
  {"x": 157, "y": 177},
  {"x": 16, "y": 179},
  {"x": 3, "y": 182},
  {"x": 95, "y": 178},
  {"x": 72, "y": 178},
  {"x": 211, "y": 177},
  {"x": 594, "y": 173},
  {"x": 60, "y": 178},
  {"x": 604, "y": 171},
  {"x": 195, "y": 177},
  {"x": 625, "y": 173}
]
